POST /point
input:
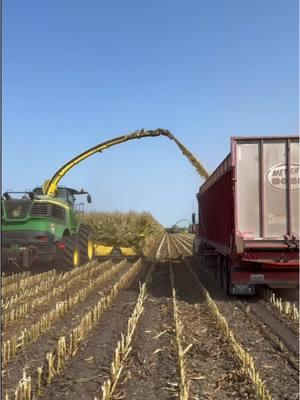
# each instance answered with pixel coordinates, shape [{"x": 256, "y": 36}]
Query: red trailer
[{"x": 249, "y": 215}]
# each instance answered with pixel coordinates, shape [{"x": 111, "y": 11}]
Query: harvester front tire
[
  {"x": 86, "y": 243},
  {"x": 71, "y": 254}
]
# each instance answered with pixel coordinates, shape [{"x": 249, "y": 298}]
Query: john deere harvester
[
  {"x": 42, "y": 228},
  {"x": 43, "y": 225}
]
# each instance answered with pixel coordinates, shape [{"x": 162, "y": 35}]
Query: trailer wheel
[
  {"x": 71, "y": 253},
  {"x": 201, "y": 255},
  {"x": 225, "y": 275},
  {"x": 220, "y": 271},
  {"x": 86, "y": 243}
]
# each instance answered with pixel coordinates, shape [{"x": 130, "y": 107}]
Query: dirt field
[{"x": 61, "y": 332}]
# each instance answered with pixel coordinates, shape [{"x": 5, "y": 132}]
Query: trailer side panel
[{"x": 249, "y": 214}]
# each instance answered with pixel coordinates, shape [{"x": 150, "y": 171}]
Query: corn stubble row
[
  {"x": 7, "y": 280},
  {"x": 67, "y": 346},
  {"x": 286, "y": 308},
  {"x": 124, "y": 344},
  {"x": 66, "y": 281},
  {"x": 184, "y": 384},
  {"x": 175, "y": 244},
  {"x": 27, "y": 281},
  {"x": 177, "y": 241},
  {"x": 168, "y": 246},
  {"x": 243, "y": 356},
  {"x": 13, "y": 346},
  {"x": 42, "y": 285},
  {"x": 27, "y": 294},
  {"x": 184, "y": 242},
  {"x": 189, "y": 238}
]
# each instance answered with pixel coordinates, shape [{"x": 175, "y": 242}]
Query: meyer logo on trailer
[{"x": 277, "y": 176}]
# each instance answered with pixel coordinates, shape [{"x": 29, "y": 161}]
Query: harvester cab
[
  {"x": 64, "y": 193},
  {"x": 42, "y": 228}
]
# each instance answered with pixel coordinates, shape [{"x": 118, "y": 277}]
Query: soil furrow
[
  {"x": 212, "y": 369},
  {"x": 181, "y": 246},
  {"x": 293, "y": 325},
  {"x": 278, "y": 329},
  {"x": 175, "y": 252},
  {"x": 33, "y": 354},
  {"x": 14, "y": 328},
  {"x": 151, "y": 369},
  {"x": 270, "y": 360},
  {"x": 85, "y": 373}
]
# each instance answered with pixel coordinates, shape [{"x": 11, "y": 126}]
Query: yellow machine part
[
  {"x": 128, "y": 251},
  {"x": 101, "y": 250},
  {"x": 104, "y": 251}
]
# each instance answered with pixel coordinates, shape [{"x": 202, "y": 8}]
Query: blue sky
[{"x": 76, "y": 73}]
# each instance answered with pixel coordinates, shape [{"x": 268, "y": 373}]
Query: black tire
[
  {"x": 86, "y": 243},
  {"x": 71, "y": 253},
  {"x": 195, "y": 253},
  {"x": 225, "y": 276},
  {"x": 220, "y": 271},
  {"x": 201, "y": 255}
]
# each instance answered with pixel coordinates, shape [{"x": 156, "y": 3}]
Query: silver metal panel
[
  {"x": 247, "y": 187},
  {"x": 295, "y": 185},
  {"x": 275, "y": 185},
  {"x": 267, "y": 195}
]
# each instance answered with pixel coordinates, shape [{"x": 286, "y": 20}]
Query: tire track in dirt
[{"x": 272, "y": 363}]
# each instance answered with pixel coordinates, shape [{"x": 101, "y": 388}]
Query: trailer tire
[
  {"x": 195, "y": 253},
  {"x": 201, "y": 255},
  {"x": 225, "y": 275},
  {"x": 86, "y": 243},
  {"x": 220, "y": 271},
  {"x": 71, "y": 253}
]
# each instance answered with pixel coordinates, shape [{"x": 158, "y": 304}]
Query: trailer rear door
[{"x": 267, "y": 187}]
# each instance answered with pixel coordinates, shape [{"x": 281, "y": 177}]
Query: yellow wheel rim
[
  {"x": 90, "y": 249},
  {"x": 75, "y": 257}
]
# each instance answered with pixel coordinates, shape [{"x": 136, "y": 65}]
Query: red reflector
[
  {"x": 60, "y": 245},
  {"x": 42, "y": 238}
]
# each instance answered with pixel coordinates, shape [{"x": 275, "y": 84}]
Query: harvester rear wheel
[
  {"x": 71, "y": 254},
  {"x": 86, "y": 243}
]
